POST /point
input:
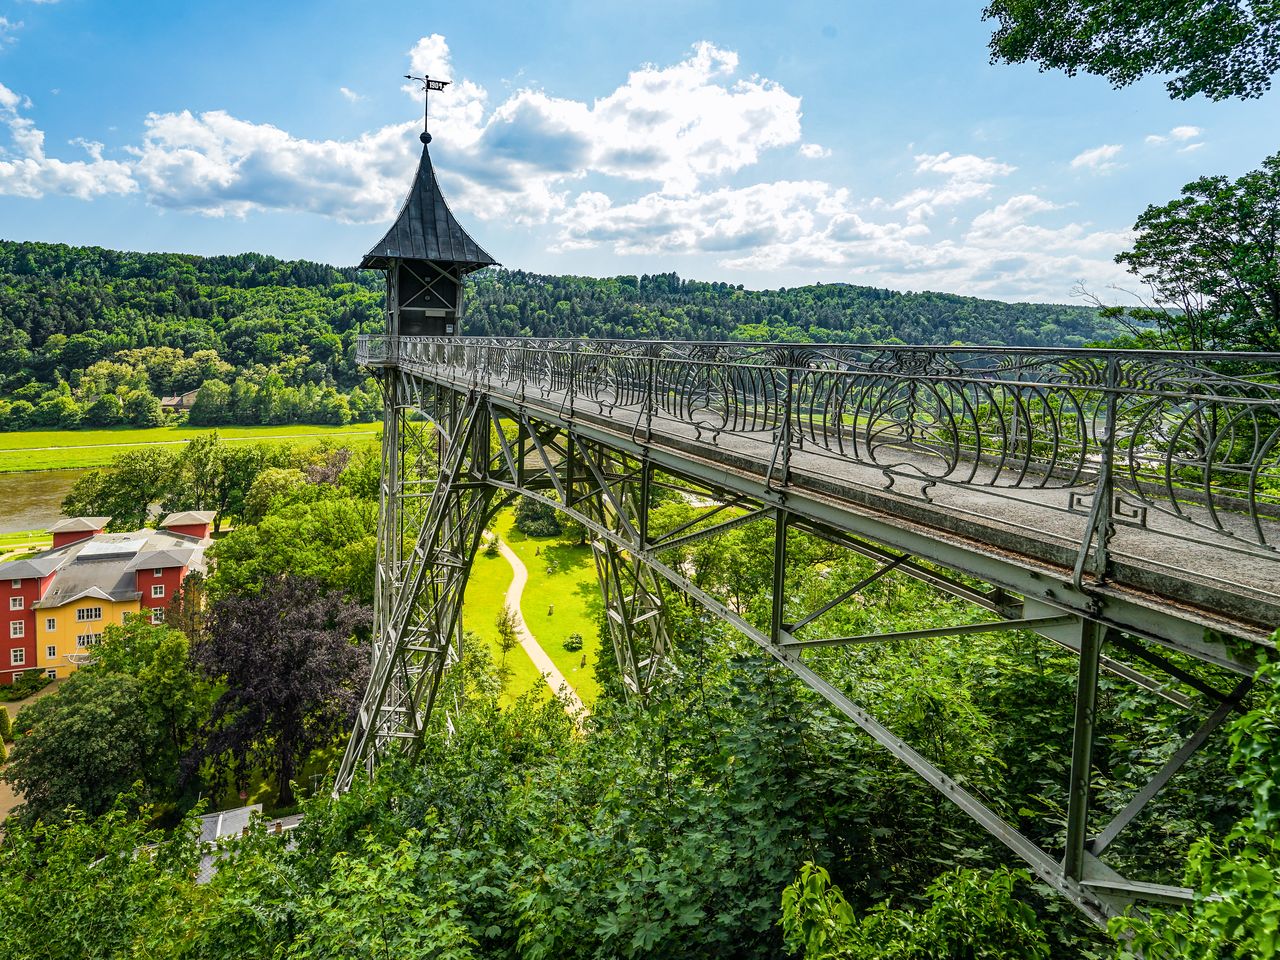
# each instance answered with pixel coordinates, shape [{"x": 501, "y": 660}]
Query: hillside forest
[{"x": 95, "y": 338}]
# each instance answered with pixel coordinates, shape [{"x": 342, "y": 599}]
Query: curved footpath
[{"x": 550, "y": 672}]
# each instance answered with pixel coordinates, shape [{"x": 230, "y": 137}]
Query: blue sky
[{"x": 760, "y": 143}]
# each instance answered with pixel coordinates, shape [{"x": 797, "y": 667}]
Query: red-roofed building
[{"x": 57, "y": 603}]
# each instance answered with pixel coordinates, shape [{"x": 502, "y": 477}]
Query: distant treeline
[
  {"x": 510, "y": 303},
  {"x": 96, "y": 337}
]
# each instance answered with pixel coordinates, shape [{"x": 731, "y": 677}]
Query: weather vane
[{"x": 427, "y": 86}]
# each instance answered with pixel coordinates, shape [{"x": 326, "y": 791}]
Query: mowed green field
[
  {"x": 486, "y": 593},
  {"x": 561, "y": 603},
  {"x": 59, "y": 449},
  {"x": 15, "y": 545}
]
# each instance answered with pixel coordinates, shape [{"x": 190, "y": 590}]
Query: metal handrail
[{"x": 1192, "y": 436}]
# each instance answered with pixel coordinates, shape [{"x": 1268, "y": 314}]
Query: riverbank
[{"x": 34, "y": 450}]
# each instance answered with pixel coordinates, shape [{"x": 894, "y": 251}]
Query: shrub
[
  {"x": 536, "y": 519},
  {"x": 573, "y": 642},
  {"x": 24, "y": 686}
]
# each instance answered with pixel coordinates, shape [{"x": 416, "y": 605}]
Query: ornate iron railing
[{"x": 1191, "y": 436}]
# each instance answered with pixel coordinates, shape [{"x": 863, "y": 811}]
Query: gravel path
[{"x": 550, "y": 672}]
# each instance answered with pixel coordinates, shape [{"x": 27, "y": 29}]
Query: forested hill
[
  {"x": 663, "y": 305},
  {"x": 94, "y": 337}
]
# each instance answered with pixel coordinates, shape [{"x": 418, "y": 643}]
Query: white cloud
[
  {"x": 26, "y": 171},
  {"x": 1191, "y": 147},
  {"x": 966, "y": 167},
  {"x": 997, "y": 221},
  {"x": 813, "y": 227},
  {"x": 1098, "y": 159},
  {"x": 676, "y": 126},
  {"x": 351, "y": 95},
  {"x": 670, "y": 136},
  {"x": 969, "y": 177},
  {"x": 217, "y": 165},
  {"x": 1181, "y": 133},
  {"x": 8, "y": 31}
]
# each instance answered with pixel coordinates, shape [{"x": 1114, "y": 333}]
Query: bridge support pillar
[
  {"x": 1092, "y": 637},
  {"x": 434, "y": 507}
]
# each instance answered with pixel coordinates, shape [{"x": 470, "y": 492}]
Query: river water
[{"x": 33, "y": 501}]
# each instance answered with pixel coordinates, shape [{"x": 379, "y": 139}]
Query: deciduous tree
[
  {"x": 1223, "y": 49},
  {"x": 86, "y": 744},
  {"x": 1213, "y": 255},
  {"x": 293, "y": 673},
  {"x": 124, "y": 491}
]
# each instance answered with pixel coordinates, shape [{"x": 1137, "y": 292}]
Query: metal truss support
[
  {"x": 1092, "y": 635},
  {"x": 433, "y": 514},
  {"x": 491, "y": 447}
]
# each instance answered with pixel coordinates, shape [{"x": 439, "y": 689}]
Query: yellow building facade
[{"x": 65, "y": 634}]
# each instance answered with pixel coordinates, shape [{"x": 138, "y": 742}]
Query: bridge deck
[{"x": 1209, "y": 569}]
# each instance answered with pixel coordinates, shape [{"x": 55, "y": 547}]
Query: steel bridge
[{"x": 1124, "y": 505}]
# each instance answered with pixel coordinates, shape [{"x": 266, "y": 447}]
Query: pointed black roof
[{"x": 426, "y": 229}]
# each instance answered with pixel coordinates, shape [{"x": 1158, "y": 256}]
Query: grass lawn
[
  {"x": 14, "y": 546},
  {"x": 31, "y": 539},
  {"x": 315, "y": 777},
  {"x": 57, "y": 449},
  {"x": 558, "y": 604},
  {"x": 486, "y": 592}
]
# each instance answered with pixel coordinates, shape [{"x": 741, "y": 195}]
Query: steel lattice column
[{"x": 433, "y": 514}]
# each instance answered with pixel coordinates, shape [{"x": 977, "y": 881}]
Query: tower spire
[
  {"x": 428, "y": 85},
  {"x": 425, "y": 253}
]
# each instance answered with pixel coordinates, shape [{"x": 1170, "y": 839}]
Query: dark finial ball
[{"x": 424, "y": 137}]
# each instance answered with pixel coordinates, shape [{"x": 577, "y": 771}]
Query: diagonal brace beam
[
  {"x": 1170, "y": 768},
  {"x": 991, "y": 626}
]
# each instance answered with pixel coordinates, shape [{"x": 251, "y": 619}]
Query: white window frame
[
  {"x": 50, "y": 624},
  {"x": 86, "y": 640},
  {"x": 18, "y": 657},
  {"x": 51, "y": 651},
  {"x": 15, "y": 603},
  {"x": 157, "y": 572},
  {"x": 16, "y": 584},
  {"x": 157, "y": 591},
  {"x": 17, "y": 629},
  {"x": 85, "y": 614},
  {"x": 51, "y": 674},
  {"x": 157, "y": 614}
]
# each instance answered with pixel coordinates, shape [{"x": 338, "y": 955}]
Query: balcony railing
[{"x": 1192, "y": 436}]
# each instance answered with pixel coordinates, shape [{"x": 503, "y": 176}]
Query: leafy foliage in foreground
[
  {"x": 971, "y": 915},
  {"x": 660, "y": 832},
  {"x": 1242, "y": 870},
  {"x": 1213, "y": 256},
  {"x": 1221, "y": 50}
]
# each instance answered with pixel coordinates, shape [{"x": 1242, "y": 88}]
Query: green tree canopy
[
  {"x": 84, "y": 745},
  {"x": 1219, "y": 49},
  {"x": 331, "y": 539},
  {"x": 1213, "y": 255}
]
